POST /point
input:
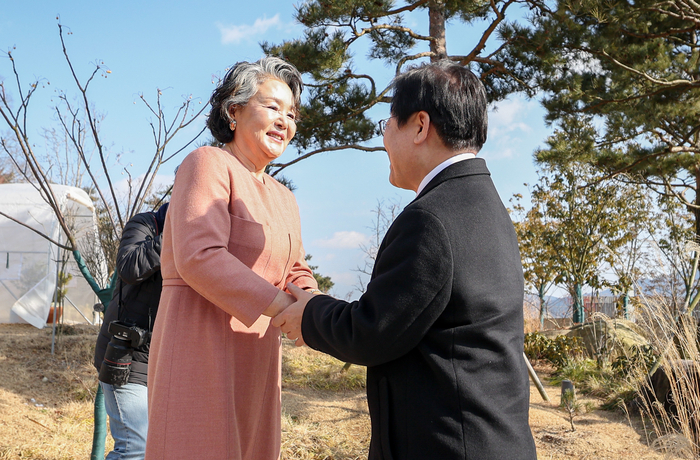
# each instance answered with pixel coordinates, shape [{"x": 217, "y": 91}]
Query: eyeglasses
[{"x": 382, "y": 125}]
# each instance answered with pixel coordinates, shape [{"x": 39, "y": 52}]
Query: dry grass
[
  {"x": 324, "y": 409},
  {"x": 531, "y": 316},
  {"x": 324, "y": 413},
  {"x": 46, "y": 400},
  {"x": 306, "y": 368},
  {"x": 676, "y": 428}
]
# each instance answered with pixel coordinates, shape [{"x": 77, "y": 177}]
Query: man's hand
[{"x": 289, "y": 320}]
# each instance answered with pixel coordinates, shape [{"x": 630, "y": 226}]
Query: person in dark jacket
[
  {"x": 440, "y": 326},
  {"x": 134, "y": 303}
]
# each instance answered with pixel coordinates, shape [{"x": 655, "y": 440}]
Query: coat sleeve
[
  {"x": 409, "y": 289},
  {"x": 138, "y": 257},
  {"x": 200, "y": 226},
  {"x": 300, "y": 274}
]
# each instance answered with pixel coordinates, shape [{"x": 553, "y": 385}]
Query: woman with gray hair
[{"x": 232, "y": 243}]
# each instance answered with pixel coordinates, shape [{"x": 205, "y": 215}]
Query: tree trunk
[
  {"x": 437, "y": 30},
  {"x": 543, "y": 305},
  {"x": 579, "y": 314},
  {"x": 691, "y": 300},
  {"x": 696, "y": 211}
]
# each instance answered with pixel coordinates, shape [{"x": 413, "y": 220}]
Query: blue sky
[{"x": 180, "y": 48}]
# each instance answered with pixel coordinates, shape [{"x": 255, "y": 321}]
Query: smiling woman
[
  {"x": 264, "y": 126},
  {"x": 232, "y": 242}
]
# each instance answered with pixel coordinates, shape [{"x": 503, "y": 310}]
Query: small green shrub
[
  {"x": 558, "y": 351},
  {"x": 635, "y": 358},
  {"x": 571, "y": 406},
  {"x": 536, "y": 345},
  {"x": 612, "y": 389},
  {"x": 576, "y": 370}
]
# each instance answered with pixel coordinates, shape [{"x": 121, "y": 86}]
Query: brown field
[{"x": 46, "y": 406}]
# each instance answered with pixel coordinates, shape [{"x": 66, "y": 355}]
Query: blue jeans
[{"x": 127, "y": 408}]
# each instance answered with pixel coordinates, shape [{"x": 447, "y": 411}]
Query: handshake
[{"x": 287, "y": 310}]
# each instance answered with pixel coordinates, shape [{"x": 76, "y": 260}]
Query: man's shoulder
[
  {"x": 469, "y": 176},
  {"x": 458, "y": 174}
]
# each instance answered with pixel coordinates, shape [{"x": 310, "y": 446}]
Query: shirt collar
[{"x": 438, "y": 169}]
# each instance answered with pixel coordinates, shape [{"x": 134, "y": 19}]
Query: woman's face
[{"x": 266, "y": 124}]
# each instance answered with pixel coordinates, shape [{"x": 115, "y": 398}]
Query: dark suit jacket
[{"x": 440, "y": 328}]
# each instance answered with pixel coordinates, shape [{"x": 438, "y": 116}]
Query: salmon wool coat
[{"x": 230, "y": 243}]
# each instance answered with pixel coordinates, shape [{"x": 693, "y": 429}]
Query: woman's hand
[
  {"x": 281, "y": 301},
  {"x": 290, "y": 319}
]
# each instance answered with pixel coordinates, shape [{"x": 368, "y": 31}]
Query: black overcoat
[{"x": 440, "y": 328}]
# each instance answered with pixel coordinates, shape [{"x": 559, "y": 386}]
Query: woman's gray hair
[{"x": 240, "y": 84}]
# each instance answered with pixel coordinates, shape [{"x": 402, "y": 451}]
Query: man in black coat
[
  {"x": 134, "y": 303},
  {"x": 440, "y": 326}
]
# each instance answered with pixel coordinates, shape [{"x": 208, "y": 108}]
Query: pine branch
[
  {"x": 406, "y": 30},
  {"x": 281, "y": 166},
  {"x": 408, "y": 8},
  {"x": 412, "y": 58},
  {"x": 500, "y": 16},
  {"x": 683, "y": 9},
  {"x": 666, "y": 84}
]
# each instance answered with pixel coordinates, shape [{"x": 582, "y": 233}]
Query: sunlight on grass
[{"x": 307, "y": 368}]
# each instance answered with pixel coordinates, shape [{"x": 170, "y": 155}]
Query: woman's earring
[{"x": 233, "y": 125}]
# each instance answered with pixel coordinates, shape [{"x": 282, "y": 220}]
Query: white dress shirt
[{"x": 441, "y": 166}]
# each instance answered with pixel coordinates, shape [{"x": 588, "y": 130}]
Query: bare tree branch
[
  {"x": 43, "y": 235},
  {"x": 281, "y": 166}
]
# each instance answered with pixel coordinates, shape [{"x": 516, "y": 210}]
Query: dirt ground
[
  {"x": 599, "y": 434},
  {"x": 46, "y": 410}
]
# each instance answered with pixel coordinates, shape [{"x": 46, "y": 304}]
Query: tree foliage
[
  {"x": 335, "y": 113},
  {"x": 533, "y": 228},
  {"x": 325, "y": 283},
  {"x": 587, "y": 218},
  {"x": 631, "y": 68},
  {"x": 674, "y": 280},
  {"x": 631, "y": 262}
]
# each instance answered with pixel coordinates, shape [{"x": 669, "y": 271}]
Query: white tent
[{"x": 30, "y": 264}]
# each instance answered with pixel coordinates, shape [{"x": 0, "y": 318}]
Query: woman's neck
[{"x": 255, "y": 170}]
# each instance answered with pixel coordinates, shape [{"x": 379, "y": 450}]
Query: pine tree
[
  {"x": 334, "y": 116},
  {"x": 631, "y": 69}
]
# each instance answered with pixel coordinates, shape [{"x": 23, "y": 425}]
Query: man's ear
[{"x": 422, "y": 120}]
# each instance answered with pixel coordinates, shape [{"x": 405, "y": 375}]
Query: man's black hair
[{"x": 452, "y": 95}]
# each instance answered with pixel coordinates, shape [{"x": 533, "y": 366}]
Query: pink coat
[{"x": 230, "y": 243}]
